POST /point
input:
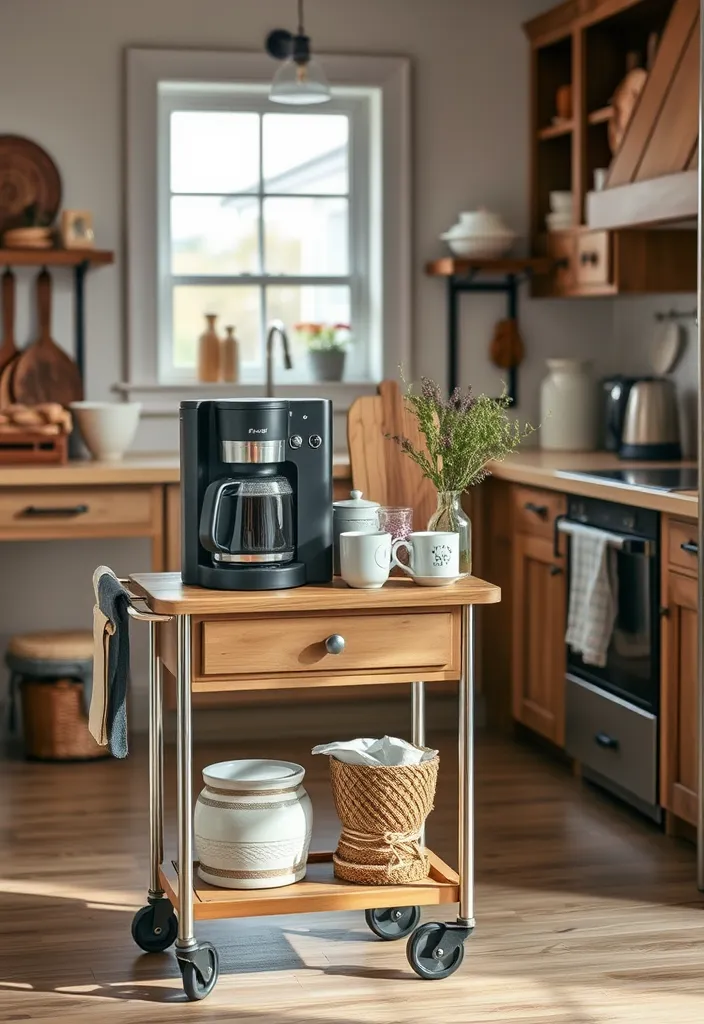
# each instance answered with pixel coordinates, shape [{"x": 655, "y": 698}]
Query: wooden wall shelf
[
  {"x": 554, "y": 131},
  {"x": 55, "y": 257},
  {"x": 450, "y": 266}
]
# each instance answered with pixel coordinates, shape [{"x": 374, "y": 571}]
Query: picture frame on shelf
[{"x": 77, "y": 229}]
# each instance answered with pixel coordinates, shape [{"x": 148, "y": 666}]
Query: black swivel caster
[
  {"x": 154, "y": 928},
  {"x": 391, "y": 923},
  {"x": 436, "y": 950},
  {"x": 199, "y": 971}
]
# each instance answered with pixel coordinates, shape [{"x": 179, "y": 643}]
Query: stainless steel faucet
[{"x": 275, "y": 327}]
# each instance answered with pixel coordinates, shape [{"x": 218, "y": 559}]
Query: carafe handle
[{"x": 209, "y": 514}]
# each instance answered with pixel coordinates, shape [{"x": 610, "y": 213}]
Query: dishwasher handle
[{"x": 620, "y": 541}]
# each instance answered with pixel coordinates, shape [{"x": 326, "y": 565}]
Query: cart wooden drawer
[
  {"x": 76, "y": 511},
  {"x": 682, "y": 541},
  {"x": 534, "y": 510},
  {"x": 296, "y": 644},
  {"x": 593, "y": 259}
]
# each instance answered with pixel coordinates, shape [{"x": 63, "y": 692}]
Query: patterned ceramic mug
[{"x": 430, "y": 553}]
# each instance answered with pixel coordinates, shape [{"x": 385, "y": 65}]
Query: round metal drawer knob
[{"x": 335, "y": 644}]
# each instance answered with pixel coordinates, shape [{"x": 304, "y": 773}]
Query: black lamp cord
[{"x": 301, "y": 30}]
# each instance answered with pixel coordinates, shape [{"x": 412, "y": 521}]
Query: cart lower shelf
[{"x": 319, "y": 891}]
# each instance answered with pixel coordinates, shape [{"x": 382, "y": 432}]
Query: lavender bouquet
[{"x": 463, "y": 434}]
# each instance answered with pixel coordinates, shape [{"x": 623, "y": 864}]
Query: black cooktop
[{"x": 669, "y": 478}]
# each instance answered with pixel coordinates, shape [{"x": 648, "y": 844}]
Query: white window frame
[
  {"x": 390, "y": 77},
  {"x": 361, "y": 108}
]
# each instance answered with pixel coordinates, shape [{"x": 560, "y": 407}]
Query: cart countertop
[{"x": 166, "y": 595}]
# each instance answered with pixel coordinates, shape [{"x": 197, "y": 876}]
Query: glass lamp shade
[{"x": 300, "y": 84}]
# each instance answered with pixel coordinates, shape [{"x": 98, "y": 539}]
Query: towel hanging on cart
[{"x": 107, "y": 720}]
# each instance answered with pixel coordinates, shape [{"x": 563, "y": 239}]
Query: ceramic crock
[
  {"x": 352, "y": 515},
  {"x": 568, "y": 407},
  {"x": 252, "y": 824}
]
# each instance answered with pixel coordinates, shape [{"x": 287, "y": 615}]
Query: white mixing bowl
[{"x": 108, "y": 428}]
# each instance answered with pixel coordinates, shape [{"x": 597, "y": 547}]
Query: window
[
  {"x": 255, "y": 212},
  {"x": 264, "y": 215}
]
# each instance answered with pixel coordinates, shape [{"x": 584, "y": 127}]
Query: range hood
[{"x": 653, "y": 176}]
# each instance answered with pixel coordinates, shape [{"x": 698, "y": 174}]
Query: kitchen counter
[
  {"x": 537, "y": 468},
  {"x": 136, "y": 469}
]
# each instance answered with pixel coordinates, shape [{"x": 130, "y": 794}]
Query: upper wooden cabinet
[{"x": 585, "y": 45}]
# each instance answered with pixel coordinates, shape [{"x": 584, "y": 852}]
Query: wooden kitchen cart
[{"x": 312, "y": 636}]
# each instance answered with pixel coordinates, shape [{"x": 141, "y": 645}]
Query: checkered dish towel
[{"x": 593, "y": 594}]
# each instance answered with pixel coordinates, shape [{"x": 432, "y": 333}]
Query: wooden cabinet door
[
  {"x": 539, "y": 599},
  {"x": 679, "y": 741}
]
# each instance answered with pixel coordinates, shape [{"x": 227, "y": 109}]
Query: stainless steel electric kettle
[{"x": 651, "y": 428}]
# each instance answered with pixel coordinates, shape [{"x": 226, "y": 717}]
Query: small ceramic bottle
[
  {"x": 230, "y": 357},
  {"x": 209, "y": 352}
]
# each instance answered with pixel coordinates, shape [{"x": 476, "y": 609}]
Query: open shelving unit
[
  {"x": 80, "y": 261},
  {"x": 485, "y": 276}
]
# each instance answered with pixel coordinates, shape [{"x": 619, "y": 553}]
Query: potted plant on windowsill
[{"x": 327, "y": 347}]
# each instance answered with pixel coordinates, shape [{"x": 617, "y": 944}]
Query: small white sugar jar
[{"x": 252, "y": 824}]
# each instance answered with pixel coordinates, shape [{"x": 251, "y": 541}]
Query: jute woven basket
[
  {"x": 382, "y": 810},
  {"x": 55, "y": 724}
]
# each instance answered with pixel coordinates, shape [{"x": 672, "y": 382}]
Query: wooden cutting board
[
  {"x": 9, "y": 353},
  {"x": 44, "y": 372}
]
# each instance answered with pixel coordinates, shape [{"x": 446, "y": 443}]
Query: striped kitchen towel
[{"x": 593, "y": 595}]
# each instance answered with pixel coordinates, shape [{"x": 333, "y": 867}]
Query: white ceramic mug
[
  {"x": 430, "y": 553},
  {"x": 365, "y": 559}
]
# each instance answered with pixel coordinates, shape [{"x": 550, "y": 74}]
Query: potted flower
[
  {"x": 462, "y": 434},
  {"x": 327, "y": 345}
]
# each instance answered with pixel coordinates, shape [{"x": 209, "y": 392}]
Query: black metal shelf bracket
[{"x": 456, "y": 285}]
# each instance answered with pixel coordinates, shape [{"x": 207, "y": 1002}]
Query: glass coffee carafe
[{"x": 248, "y": 520}]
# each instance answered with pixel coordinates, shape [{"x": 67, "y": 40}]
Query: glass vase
[{"x": 450, "y": 517}]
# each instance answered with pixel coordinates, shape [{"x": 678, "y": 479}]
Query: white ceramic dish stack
[
  {"x": 479, "y": 234},
  {"x": 561, "y": 216}
]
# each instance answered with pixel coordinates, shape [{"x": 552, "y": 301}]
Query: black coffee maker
[{"x": 256, "y": 493}]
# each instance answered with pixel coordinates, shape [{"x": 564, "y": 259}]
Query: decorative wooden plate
[{"x": 28, "y": 177}]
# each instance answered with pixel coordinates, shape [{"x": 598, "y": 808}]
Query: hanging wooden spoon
[
  {"x": 9, "y": 352},
  {"x": 44, "y": 372}
]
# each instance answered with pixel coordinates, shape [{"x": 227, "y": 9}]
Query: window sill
[{"x": 164, "y": 399}]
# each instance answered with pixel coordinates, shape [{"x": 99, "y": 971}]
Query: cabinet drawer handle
[
  {"x": 538, "y": 510},
  {"x": 604, "y": 740},
  {"x": 555, "y": 570},
  {"x": 66, "y": 512},
  {"x": 335, "y": 644},
  {"x": 691, "y": 547}
]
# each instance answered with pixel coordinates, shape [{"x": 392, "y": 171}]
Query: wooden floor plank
[{"x": 586, "y": 913}]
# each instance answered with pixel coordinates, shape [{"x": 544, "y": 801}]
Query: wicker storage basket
[
  {"x": 54, "y": 722},
  {"x": 382, "y": 810}
]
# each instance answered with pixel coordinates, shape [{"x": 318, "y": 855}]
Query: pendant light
[{"x": 300, "y": 80}]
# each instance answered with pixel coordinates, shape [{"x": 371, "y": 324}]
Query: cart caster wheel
[
  {"x": 152, "y": 937},
  {"x": 426, "y": 955},
  {"x": 195, "y": 985},
  {"x": 391, "y": 923}
]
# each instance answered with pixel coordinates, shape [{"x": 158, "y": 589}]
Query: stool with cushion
[{"x": 53, "y": 672}]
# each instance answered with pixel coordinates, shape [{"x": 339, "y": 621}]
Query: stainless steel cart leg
[
  {"x": 418, "y": 724},
  {"x": 466, "y": 772},
  {"x": 156, "y": 766},
  {"x": 184, "y": 771}
]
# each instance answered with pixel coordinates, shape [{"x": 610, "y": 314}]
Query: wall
[{"x": 470, "y": 73}]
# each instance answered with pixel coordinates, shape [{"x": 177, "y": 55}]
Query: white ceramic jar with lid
[
  {"x": 568, "y": 407},
  {"x": 353, "y": 514},
  {"x": 252, "y": 824}
]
